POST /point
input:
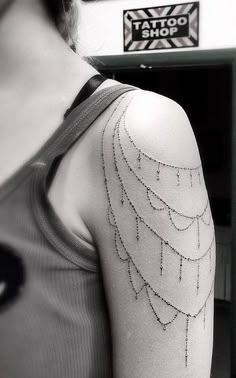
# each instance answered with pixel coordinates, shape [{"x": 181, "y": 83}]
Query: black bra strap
[{"x": 90, "y": 86}]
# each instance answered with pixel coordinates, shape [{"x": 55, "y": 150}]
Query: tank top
[{"x": 54, "y": 320}]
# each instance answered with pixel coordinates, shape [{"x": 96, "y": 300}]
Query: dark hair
[{"x": 65, "y": 15}]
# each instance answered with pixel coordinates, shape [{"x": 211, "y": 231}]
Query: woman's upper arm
[{"x": 155, "y": 237}]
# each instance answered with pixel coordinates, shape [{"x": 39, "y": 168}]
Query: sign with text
[{"x": 165, "y": 27}]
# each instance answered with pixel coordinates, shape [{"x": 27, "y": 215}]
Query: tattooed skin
[{"x": 165, "y": 240}]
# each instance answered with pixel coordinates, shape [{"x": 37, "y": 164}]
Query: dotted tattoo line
[
  {"x": 129, "y": 259},
  {"x": 161, "y": 164},
  {"x": 129, "y": 256},
  {"x": 161, "y": 264},
  {"x": 178, "y": 228},
  {"x": 132, "y": 284},
  {"x": 147, "y": 187},
  {"x": 165, "y": 242},
  {"x": 150, "y": 202},
  {"x": 152, "y": 158},
  {"x": 198, "y": 275},
  {"x": 142, "y": 220},
  {"x": 186, "y": 340},
  {"x": 180, "y": 268},
  {"x": 164, "y": 325}
]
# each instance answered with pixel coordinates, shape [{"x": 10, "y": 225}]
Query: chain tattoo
[{"x": 139, "y": 222}]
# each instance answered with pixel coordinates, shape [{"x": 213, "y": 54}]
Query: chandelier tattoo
[{"x": 144, "y": 205}]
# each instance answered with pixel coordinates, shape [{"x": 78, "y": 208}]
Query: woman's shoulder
[
  {"x": 151, "y": 121},
  {"x": 139, "y": 123},
  {"x": 158, "y": 122}
]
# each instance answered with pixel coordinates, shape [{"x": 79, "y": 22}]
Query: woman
[{"x": 107, "y": 240}]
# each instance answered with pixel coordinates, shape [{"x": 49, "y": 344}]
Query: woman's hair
[{"x": 65, "y": 15}]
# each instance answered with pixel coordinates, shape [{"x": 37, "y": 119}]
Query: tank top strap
[
  {"x": 78, "y": 121},
  {"x": 75, "y": 124}
]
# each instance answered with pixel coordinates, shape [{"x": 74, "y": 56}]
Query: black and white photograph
[{"x": 117, "y": 189}]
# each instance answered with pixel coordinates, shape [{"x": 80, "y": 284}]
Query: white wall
[{"x": 101, "y": 25}]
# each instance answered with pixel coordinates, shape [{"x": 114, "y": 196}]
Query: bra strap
[{"x": 90, "y": 86}]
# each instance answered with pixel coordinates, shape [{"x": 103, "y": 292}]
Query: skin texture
[
  {"x": 141, "y": 346},
  {"x": 40, "y": 77}
]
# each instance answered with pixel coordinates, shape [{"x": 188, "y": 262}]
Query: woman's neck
[{"x": 32, "y": 52}]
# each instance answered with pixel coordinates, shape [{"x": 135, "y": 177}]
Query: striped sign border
[{"x": 192, "y": 9}]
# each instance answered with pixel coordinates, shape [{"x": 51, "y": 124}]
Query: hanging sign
[{"x": 165, "y": 27}]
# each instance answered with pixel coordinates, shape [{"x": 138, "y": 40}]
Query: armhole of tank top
[{"x": 72, "y": 247}]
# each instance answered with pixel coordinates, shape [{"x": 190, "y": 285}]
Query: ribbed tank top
[{"x": 54, "y": 321}]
